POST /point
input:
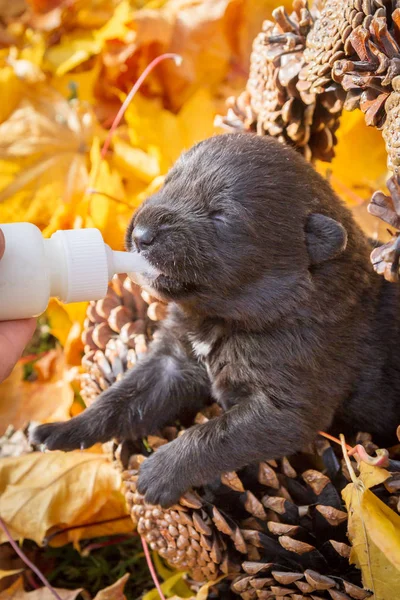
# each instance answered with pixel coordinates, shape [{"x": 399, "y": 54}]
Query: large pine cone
[
  {"x": 116, "y": 333},
  {"x": 276, "y": 528},
  {"x": 272, "y": 103},
  {"x": 280, "y": 525}
]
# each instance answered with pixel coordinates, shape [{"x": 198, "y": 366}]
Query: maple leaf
[
  {"x": 42, "y": 492},
  {"x": 374, "y": 532},
  {"x": 49, "y": 137}
]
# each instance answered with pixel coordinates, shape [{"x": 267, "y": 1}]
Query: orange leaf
[
  {"x": 40, "y": 492},
  {"x": 23, "y": 401}
]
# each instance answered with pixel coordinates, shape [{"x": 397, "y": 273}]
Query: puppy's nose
[{"x": 143, "y": 237}]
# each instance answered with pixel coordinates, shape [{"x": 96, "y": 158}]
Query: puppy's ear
[{"x": 325, "y": 238}]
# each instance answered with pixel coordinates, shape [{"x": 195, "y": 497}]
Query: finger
[
  {"x": 14, "y": 336},
  {"x": 2, "y": 243}
]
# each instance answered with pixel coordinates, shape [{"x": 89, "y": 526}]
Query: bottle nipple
[{"x": 82, "y": 264}]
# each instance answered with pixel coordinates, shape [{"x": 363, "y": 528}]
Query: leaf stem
[
  {"x": 353, "y": 476},
  {"x": 168, "y": 55},
  {"x": 26, "y": 560},
  {"x": 332, "y": 438},
  {"x": 50, "y": 537}
]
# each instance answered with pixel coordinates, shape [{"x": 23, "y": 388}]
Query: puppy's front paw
[
  {"x": 162, "y": 479},
  {"x": 69, "y": 435}
]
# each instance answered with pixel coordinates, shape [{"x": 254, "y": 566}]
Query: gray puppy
[{"x": 275, "y": 312}]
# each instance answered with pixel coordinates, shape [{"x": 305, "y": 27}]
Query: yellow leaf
[
  {"x": 202, "y": 594},
  {"x": 12, "y": 87},
  {"x": 115, "y": 27},
  {"x": 374, "y": 532},
  {"x": 196, "y": 118},
  {"x": 17, "y": 592},
  {"x": 73, "y": 348},
  {"x": 23, "y": 401},
  {"x": 48, "y": 137},
  {"x": 154, "y": 129},
  {"x": 356, "y": 174},
  {"x": 4, "y": 574},
  {"x": 39, "y": 492},
  {"x": 371, "y": 475},
  {"x": 59, "y": 321},
  {"x": 114, "y": 591},
  {"x": 134, "y": 161},
  {"x": 74, "y": 49},
  {"x": 83, "y": 81},
  {"x": 108, "y": 209},
  {"x": 11, "y": 593},
  {"x": 169, "y": 588}
]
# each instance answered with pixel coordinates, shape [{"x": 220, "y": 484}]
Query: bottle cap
[{"x": 89, "y": 264}]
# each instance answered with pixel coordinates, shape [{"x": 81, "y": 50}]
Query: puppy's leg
[
  {"x": 251, "y": 431},
  {"x": 165, "y": 383}
]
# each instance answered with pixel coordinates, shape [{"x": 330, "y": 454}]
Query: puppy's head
[{"x": 233, "y": 225}]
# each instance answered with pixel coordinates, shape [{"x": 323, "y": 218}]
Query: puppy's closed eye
[{"x": 218, "y": 216}]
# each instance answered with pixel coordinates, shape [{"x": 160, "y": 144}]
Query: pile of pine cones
[
  {"x": 274, "y": 529},
  {"x": 307, "y": 67}
]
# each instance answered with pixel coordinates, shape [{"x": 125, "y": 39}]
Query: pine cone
[
  {"x": 330, "y": 39},
  {"x": 386, "y": 258},
  {"x": 374, "y": 62},
  {"x": 288, "y": 526},
  {"x": 116, "y": 333},
  {"x": 272, "y": 103},
  {"x": 276, "y": 526},
  {"x": 391, "y": 128}
]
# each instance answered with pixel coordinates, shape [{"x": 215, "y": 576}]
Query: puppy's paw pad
[{"x": 53, "y": 436}]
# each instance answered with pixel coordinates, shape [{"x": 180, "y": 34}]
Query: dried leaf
[
  {"x": 24, "y": 401},
  {"x": 202, "y": 594},
  {"x": 114, "y": 591},
  {"x": 17, "y": 592},
  {"x": 40, "y": 492},
  {"x": 4, "y": 574},
  {"x": 47, "y": 135},
  {"x": 374, "y": 532},
  {"x": 169, "y": 587}
]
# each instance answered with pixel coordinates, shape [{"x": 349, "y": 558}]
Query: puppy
[{"x": 275, "y": 312}]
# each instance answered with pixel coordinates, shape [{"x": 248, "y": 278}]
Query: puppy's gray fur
[{"x": 275, "y": 312}]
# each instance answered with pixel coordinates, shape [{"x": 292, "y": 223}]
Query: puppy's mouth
[{"x": 159, "y": 283}]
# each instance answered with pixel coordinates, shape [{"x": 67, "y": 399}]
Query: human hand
[{"x": 14, "y": 335}]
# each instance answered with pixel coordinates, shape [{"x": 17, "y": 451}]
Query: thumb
[{"x": 2, "y": 243}]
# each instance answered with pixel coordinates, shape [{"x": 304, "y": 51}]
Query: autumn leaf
[
  {"x": 173, "y": 584},
  {"x": 46, "y": 399},
  {"x": 48, "y": 138},
  {"x": 17, "y": 592},
  {"x": 4, "y": 574},
  {"x": 40, "y": 492},
  {"x": 354, "y": 173},
  {"x": 160, "y": 133},
  {"x": 374, "y": 532},
  {"x": 114, "y": 591}
]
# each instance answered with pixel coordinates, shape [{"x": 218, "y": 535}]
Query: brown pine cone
[
  {"x": 286, "y": 513},
  {"x": 329, "y": 40},
  {"x": 268, "y": 512},
  {"x": 272, "y": 103},
  {"x": 116, "y": 333}
]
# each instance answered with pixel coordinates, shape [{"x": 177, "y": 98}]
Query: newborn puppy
[{"x": 275, "y": 312}]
